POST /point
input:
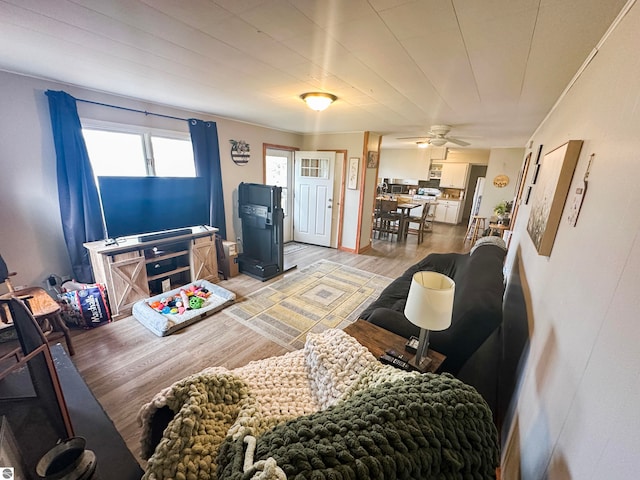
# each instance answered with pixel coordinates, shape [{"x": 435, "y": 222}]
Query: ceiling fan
[{"x": 437, "y": 136}]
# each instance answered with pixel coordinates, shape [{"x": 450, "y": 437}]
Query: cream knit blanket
[{"x": 247, "y": 401}]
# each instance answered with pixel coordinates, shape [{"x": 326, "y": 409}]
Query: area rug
[
  {"x": 292, "y": 247},
  {"x": 313, "y": 299}
]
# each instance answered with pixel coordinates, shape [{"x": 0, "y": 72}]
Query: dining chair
[
  {"x": 387, "y": 219},
  {"x": 424, "y": 221}
]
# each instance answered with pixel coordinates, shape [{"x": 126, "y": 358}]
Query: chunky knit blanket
[{"x": 330, "y": 410}]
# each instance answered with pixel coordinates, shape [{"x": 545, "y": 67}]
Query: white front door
[{"x": 313, "y": 200}]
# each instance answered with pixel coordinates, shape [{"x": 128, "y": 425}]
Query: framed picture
[
  {"x": 528, "y": 196},
  {"x": 539, "y": 153},
  {"x": 522, "y": 175},
  {"x": 536, "y": 172},
  {"x": 551, "y": 193},
  {"x": 372, "y": 159},
  {"x": 352, "y": 173}
]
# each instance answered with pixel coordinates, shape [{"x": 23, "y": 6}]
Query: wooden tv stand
[{"x": 133, "y": 270}]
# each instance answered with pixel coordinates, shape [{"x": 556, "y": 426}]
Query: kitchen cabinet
[
  {"x": 454, "y": 175},
  {"x": 435, "y": 172},
  {"x": 447, "y": 211}
]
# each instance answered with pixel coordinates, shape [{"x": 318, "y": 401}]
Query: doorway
[
  {"x": 278, "y": 171},
  {"x": 476, "y": 172}
]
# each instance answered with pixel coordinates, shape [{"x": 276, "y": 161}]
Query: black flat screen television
[{"x": 137, "y": 205}]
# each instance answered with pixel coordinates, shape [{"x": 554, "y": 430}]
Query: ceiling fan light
[
  {"x": 438, "y": 142},
  {"x": 318, "y": 101}
]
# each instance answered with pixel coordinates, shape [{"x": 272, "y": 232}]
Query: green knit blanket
[
  {"x": 332, "y": 375},
  {"x": 420, "y": 427}
]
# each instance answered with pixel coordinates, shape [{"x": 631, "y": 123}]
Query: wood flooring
[{"x": 125, "y": 365}]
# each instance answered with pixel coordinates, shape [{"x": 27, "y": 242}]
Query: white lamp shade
[{"x": 430, "y": 300}]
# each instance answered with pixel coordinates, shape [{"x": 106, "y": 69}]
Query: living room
[{"x": 576, "y": 414}]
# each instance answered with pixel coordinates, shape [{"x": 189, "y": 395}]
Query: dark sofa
[{"x": 477, "y": 306}]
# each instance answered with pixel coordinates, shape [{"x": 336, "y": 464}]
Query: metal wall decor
[
  {"x": 240, "y": 152},
  {"x": 501, "y": 181}
]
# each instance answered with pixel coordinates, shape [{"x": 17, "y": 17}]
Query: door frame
[
  {"x": 287, "y": 235},
  {"x": 341, "y": 188}
]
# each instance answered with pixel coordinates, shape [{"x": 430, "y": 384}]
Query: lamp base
[
  {"x": 421, "y": 361},
  {"x": 422, "y": 366}
]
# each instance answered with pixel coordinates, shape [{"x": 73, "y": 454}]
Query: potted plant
[{"x": 502, "y": 211}]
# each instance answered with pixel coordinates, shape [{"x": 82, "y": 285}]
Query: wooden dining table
[{"x": 405, "y": 210}]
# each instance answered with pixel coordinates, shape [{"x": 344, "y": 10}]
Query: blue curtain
[
  {"x": 77, "y": 191},
  {"x": 206, "y": 151}
]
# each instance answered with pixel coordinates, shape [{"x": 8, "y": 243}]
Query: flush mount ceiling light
[{"x": 318, "y": 101}]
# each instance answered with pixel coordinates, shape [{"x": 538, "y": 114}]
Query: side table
[{"x": 378, "y": 340}]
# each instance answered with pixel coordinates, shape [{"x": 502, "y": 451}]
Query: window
[
  {"x": 138, "y": 154},
  {"x": 314, "y": 167},
  {"x": 277, "y": 173},
  {"x": 173, "y": 157}
]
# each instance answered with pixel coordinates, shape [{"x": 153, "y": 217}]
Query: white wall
[
  {"x": 31, "y": 239},
  {"x": 502, "y": 161},
  {"x": 404, "y": 163},
  {"x": 467, "y": 155},
  {"x": 578, "y": 411}
]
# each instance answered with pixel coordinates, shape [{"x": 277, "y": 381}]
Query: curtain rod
[{"x": 131, "y": 110}]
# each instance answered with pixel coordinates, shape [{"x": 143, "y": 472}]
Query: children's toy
[
  {"x": 191, "y": 297},
  {"x": 211, "y": 298},
  {"x": 196, "y": 302}
]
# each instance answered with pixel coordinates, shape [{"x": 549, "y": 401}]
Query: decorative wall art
[
  {"x": 536, "y": 172},
  {"x": 528, "y": 196},
  {"x": 550, "y": 194},
  {"x": 240, "y": 152},
  {"x": 372, "y": 159},
  {"x": 352, "y": 178},
  {"x": 578, "y": 196},
  {"x": 539, "y": 154},
  {"x": 522, "y": 176},
  {"x": 500, "y": 181}
]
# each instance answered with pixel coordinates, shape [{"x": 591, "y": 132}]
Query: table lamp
[{"x": 429, "y": 306}]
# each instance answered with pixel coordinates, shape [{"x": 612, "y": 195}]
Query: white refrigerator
[{"x": 477, "y": 198}]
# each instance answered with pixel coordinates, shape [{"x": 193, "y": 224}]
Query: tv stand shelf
[
  {"x": 169, "y": 273},
  {"x": 133, "y": 270}
]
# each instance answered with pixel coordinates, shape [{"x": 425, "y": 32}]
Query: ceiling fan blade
[
  {"x": 458, "y": 142},
  {"x": 426, "y": 135}
]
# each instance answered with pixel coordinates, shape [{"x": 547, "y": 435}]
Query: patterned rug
[{"x": 313, "y": 299}]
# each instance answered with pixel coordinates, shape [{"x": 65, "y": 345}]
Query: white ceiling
[{"x": 490, "y": 68}]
